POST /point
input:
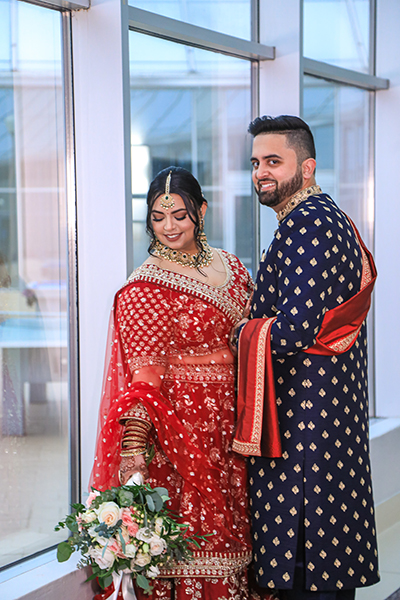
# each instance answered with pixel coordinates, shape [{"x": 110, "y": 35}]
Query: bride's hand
[
  {"x": 233, "y": 336},
  {"x": 247, "y": 308},
  {"x": 133, "y": 464}
]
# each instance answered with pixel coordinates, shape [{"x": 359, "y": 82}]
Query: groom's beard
[{"x": 281, "y": 191}]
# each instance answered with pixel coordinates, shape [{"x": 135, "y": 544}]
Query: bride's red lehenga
[{"x": 169, "y": 362}]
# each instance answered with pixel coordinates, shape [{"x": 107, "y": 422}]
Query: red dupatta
[
  {"x": 257, "y": 431},
  {"x": 118, "y": 396}
]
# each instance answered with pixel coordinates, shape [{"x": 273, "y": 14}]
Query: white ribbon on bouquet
[{"x": 124, "y": 581}]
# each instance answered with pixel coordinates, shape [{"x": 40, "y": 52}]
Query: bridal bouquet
[{"x": 125, "y": 533}]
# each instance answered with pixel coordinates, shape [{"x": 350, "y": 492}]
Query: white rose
[
  {"x": 109, "y": 513},
  {"x": 96, "y": 537},
  {"x": 157, "y": 545},
  {"x": 89, "y": 516},
  {"x": 144, "y": 534},
  {"x": 153, "y": 571},
  {"x": 130, "y": 550},
  {"x": 158, "y": 525},
  {"x": 142, "y": 559},
  {"x": 104, "y": 561},
  {"x": 136, "y": 479}
]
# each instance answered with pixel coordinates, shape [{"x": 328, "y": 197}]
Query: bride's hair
[{"x": 188, "y": 188}]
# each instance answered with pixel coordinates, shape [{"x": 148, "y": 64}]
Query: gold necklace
[
  {"x": 183, "y": 258},
  {"x": 296, "y": 199}
]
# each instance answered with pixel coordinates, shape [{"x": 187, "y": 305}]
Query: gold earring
[{"x": 201, "y": 223}]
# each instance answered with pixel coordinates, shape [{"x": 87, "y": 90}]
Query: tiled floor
[{"x": 389, "y": 565}]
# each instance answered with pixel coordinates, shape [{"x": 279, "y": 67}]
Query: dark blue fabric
[{"x": 313, "y": 264}]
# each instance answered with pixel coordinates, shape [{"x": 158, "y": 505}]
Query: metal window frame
[
  {"x": 150, "y": 23},
  {"x": 63, "y": 5},
  {"x": 72, "y": 245},
  {"x": 323, "y": 70}
]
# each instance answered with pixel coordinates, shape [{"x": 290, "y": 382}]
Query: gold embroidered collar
[{"x": 296, "y": 199}]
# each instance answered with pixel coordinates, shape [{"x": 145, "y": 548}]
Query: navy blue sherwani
[{"x": 321, "y": 489}]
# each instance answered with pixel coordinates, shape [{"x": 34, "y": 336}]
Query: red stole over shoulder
[{"x": 257, "y": 432}]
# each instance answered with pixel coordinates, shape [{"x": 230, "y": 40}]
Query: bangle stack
[{"x": 134, "y": 440}]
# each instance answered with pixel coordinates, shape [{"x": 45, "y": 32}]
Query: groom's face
[{"x": 276, "y": 173}]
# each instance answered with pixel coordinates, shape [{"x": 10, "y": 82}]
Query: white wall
[
  {"x": 280, "y": 79},
  {"x": 98, "y": 88},
  {"x": 387, "y": 223}
]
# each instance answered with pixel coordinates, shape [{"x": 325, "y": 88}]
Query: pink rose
[
  {"x": 115, "y": 547},
  {"x": 128, "y": 521},
  {"x": 91, "y": 497}
]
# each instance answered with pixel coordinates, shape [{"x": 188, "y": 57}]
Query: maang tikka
[{"x": 167, "y": 201}]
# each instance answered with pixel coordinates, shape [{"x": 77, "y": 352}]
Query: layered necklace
[{"x": 201, "y": 259}]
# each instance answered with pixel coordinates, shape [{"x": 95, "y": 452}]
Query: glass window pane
[
  {"x": 339, "y": 118},
  {"x": 226, "y": 16},
  {"x": 191, "y": 108},
  {"x": 337, "y": 32},
  {"x": 34, "y": 491}
]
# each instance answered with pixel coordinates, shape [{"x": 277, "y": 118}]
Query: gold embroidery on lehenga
[
  {"x": 229, "y": 299},
  {"x": 207, "y": 373},
  {"x": 209, "y": 564}
]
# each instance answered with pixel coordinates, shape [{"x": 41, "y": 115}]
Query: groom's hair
[{"x": 298, "y": 133}]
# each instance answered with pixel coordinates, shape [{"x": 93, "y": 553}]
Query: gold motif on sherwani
[{"x": 296, "y": 199}]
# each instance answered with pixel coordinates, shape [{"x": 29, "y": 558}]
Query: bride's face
[{"x": 173, "y": 226}]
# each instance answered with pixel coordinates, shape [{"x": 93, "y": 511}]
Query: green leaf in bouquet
[
  {"x": 64, "y": 551},
  {"x": 150, "y": 455},
  {"x": 107, "y": 495},
  {"x": 158, "y": 501},
  {"x": 178, "y": 554},
  {"x": 150, "y": 502},
  {"x": 71, "y": 523},
  {"x": 163, "y": 492},
  {"x": 78, "y": 507},
  {"x": 125, "y": 498},
  {"x": 102, "y": 530},
  {"x": 142, "y": 582},
  {"x": 122, "y": 541},
  {"x": 92, "y": 576},
  {"x": 106, "y": 580}
]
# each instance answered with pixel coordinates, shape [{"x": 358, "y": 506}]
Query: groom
[{"x": 310, "y": 480}]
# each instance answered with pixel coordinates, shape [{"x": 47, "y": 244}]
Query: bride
[{"x": 169, "y": 385}]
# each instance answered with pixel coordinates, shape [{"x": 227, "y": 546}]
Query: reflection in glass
[
  {"x": 339, "y": 118},
  {"x": 191, "y": 108},
  {"x": 232, "y": 17},
  {"x": 34, "y": 487},
  {"x": 337, "y": 32}
]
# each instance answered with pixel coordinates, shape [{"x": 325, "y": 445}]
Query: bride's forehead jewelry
[{"x": 167, "y": 200}]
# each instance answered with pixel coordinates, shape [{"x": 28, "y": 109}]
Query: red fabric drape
[
  {"x": 341, "y": 325},
  {"x": 257, "y": 430}
]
